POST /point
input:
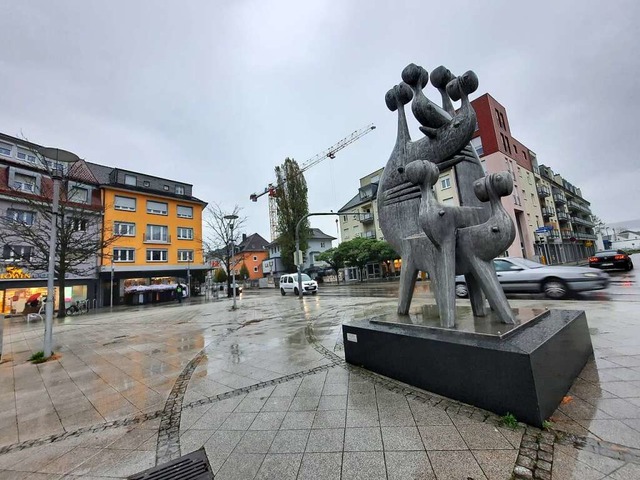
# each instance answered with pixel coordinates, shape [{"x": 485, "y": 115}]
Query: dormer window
[
  {"x": 5, "y": 148},
  {"x": 179, "y": 190},
  {"x": 130, "y": 180},
  {"x": 24, "y": 183},
  {"x": 26, "y": 156},
  {"x": 165, "y": 188}
]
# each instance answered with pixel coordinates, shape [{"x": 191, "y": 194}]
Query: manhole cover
[{"x": 193, "y": 466}]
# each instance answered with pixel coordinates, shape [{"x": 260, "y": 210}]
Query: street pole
[
  {"x": 48, "y": 320},
  {"x": 231, "y": 219},
  {"x": 189, "y": 276},
  {"x": 111, "y": 292}
]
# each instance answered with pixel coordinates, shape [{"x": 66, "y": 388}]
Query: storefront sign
[{"x": 13, "y": 272}]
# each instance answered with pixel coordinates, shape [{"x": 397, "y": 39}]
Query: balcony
[
  {"x": 575, "y": 206},
  {"x": 543, "y": 191},
  {"x": 553, "y": 234},
  {"x": 366, "y": 217},
  {"x": 567, "y": 234},
  {"x": 547, "y": 212},
  {"x": 585, "y": 236},
  {"x": 562, "y": 216},
  {"x": 156, "y": 239},
  {"x": 559, "y": 198},
  {"x": 582, "y": 221}
]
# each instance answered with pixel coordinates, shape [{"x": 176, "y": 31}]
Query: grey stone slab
[
  {"x": 211, "y": 420},
  {"x": 267, "y": 421},
  {"x": 615, "y": 431},
  {"x": 255, "y": 441},
  {"x": 298, "y": 420},
  {"x": 363, "y": 439},
  {"x": 277, "y": 404},
  {"x": 288, "y": 389},
  {"x": 290, "y": 441},
  {"x": 326, "y": 440},
  {"x": 496, "y": 464},
  {"x": 356, "y": 400},
  {"x": 409, "y": 466},
  {"x": 401, "y": 438},
  {"x": 441, "y": 437},
  {"x": 238, "y": 421},
  {"x": 224, "y": 440},
  {"x": 361, "y": 388},
  {"x": 280, "y": 466},
  {"x": 240, "y": 466},
  {"x": 193, "y": 439},
  {"x": 364, "y": 417},
  {"x": 567, "y": 467},
  {"x": 630, "y": 471},
  {"x": 363, "y": 465},
  {"x": 300, "y": 404},
  {"x": 335, "y": 389},
  {"x": 396, "y": 415},
  {"x": 455, "y": 465},
  {"x": 483, "y": 436},
  {"x": 330, "y": 419},
  {"x": 320, "y": 466},
  {"x": 250, "y": 404},
  {"x": 605, "y": 465},
  {"x": 333, "y": 402},
  {"x": 425, "y": 414},
  {"x": 614, "y": 407}
]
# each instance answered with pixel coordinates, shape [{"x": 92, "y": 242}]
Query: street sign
[{"x": 544, "y": 229}]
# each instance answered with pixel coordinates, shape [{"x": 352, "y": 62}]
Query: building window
[
  {"x": 5, "y": 148},
  {"x": 125, "y": 203},
  {"x": 321, "y": 244},
  {"x": 185, "y": 255},
  {"x": 24, "y": 183},
  {"x": 179, "y": 190},
  {"x": 157, "y": 208},
  {"x": 157, "y": 233},
  {"x": 156, "y": 255},
  {"x": 185, "y": 233},
  {"x": 26, "y": 156},
  {"x": 22, "y": 216},
  {"x": 146, "y": 183},
  {"x": 255, "y": 259},
  {"x": 78, "y": 195},
  {"x": 445, "y": 182},
  {"x": 124, "y": 254},
  {"x": 255, "y": 269},
  {"x": 476, "y": 143},
  {"x": 165, "y": 188},
  {"x": 79, "y": 225},
  {"x": 124, "y": 229},
  {"x": 484, "y": 166},
  {"x": 130, "y": 180},
  {"x": 344, "y": 218},
  {"x": 16, "y": 252},
  {"x": 185, "y": 212}
]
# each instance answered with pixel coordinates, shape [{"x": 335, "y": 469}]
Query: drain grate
[{"x": 193, "y": 466}]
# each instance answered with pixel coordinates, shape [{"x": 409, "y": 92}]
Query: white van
[{"x": 289, "y": 284}]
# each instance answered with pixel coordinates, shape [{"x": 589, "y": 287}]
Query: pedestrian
[{"x": 179, "y": 293}]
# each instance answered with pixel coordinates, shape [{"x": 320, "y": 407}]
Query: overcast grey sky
[{"x": 217, "y": 93}]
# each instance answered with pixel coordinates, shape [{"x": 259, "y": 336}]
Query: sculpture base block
[{"x": 526, "y": 373}]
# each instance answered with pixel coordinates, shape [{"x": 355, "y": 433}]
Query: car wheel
[
  {"x": 629, "y": 265},
  {"x": 554, "y": 288},
  {"x": 461, "y": 290},
  {"x": 282, "y": 292},
  {"x": 296, "y": 291},
  {"x": 314, "y": 292}
]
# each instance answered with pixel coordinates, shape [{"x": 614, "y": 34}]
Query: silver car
[{"x": 519, "y": 275}]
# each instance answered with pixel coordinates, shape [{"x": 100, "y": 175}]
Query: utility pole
[{"x": 112, "y": 275}]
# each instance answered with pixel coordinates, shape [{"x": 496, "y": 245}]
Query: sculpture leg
[
  {"x": 408, "y": 276},
  {"x": 445, "y": 285},
  {"x": 476, "y": 296},
  {"x": 486, "y": 276}
]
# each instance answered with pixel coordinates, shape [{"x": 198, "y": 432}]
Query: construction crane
[{"x": 330, "y": 152}]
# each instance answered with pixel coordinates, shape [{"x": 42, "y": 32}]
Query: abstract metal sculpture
[{"x": 443, "y": 240}]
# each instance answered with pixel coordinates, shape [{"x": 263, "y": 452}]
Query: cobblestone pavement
[{"x": 267, "y": 393}]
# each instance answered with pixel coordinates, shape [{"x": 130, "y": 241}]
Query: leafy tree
[
  {"x": 219, "y": 275},
  {"x": 25, "y": 227},
  {"x": 598, "y": 224},
  {"x": 385, "y": 253},
  {"x": 291, "y": 200},
  {"x": 244, "y": 271},
  {"x": 333, "y": 258},
  {"x": 358, "y": 252},
  {"x": 220, "y": 238}
]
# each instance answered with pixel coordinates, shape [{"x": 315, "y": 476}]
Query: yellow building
[{"x": 158, "y": 228}]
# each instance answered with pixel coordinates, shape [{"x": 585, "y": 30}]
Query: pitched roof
[
  {"x": 100, "y": 172},
  {"x": 253, "y": 243},
  {"x": 316, "y": 233}
]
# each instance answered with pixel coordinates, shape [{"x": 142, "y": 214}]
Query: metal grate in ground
[{"x": 193, "y": 466}]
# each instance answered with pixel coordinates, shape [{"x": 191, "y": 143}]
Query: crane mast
[{"x": 330, "y": 152}]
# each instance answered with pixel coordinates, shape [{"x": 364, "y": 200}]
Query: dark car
[{"x": 613, "y": 259}]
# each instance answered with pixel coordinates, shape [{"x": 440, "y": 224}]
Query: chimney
[{"x": 244, "y": 237}]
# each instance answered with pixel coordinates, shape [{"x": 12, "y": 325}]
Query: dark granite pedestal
[{"x": 524, "y": 369}]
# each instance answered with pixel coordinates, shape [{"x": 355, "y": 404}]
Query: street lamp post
[
  {"x": 111, "y": 292},
  {"x": 231, "y": 219},
  {"x": 189, "y": 275},
  {"x": 60, "y": 156}
]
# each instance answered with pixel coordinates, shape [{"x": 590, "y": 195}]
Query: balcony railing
[
  {"x": 547, "y": 212},
  {"x": 562, "y": 216},
  {"x": 558, "y": 198},
  {"x": 366, "y": 217},
  {"x": 154, "y": 239},
  {"x": 585, "y": 236},
  {"x": 582, "y": 221},
  {"x": 543, "y": 191},
  {"x": 578, "y": 206},
  {"x": 566, "y": 234}
]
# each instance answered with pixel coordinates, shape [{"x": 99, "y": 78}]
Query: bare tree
[
  {"x": 219, "y": 239},
  {"x": 25, "y": 227}
]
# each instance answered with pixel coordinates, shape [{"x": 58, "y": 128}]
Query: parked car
[
  {"x": 238, "y": 289},
  {"x": 289, "y": 284},
  {"x": 519, "y": 275},
  {"x": 613, "y": 259}
]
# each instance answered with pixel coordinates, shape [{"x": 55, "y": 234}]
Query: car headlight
[{"x": 591, "y": 274}]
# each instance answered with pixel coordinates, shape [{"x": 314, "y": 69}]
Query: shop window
[
  {"x": 156, "y": 255},
  {"x": 17, "y": 252}
]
